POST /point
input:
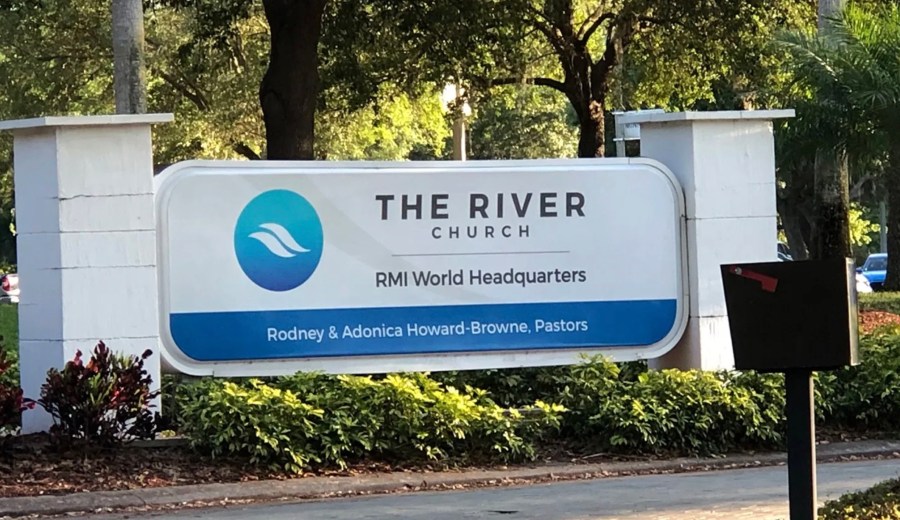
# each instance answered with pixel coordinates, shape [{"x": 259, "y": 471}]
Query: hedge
[
  {"x": 880, "y": 502},
  {"x": 312, "y": 420},
  {"x": 880, "y": 301}
]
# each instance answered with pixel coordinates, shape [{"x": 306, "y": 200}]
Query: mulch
[
  {"x": 872, "y": 320},
  {"x": 35, "y": 467}
]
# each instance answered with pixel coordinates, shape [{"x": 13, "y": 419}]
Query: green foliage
[
  {"x": 105, "y": 401},
  {"x": 171, "y": 413},
  {"x": 308, "y": 420},
  {"x": 847, "y": 101},
  {"x": 390, "y": 128},
  {"x": 513, "y": 387},
  {"x": 865, "y": 397},
  {"x": 267, "y": 425},
  {"x": 885, "y": 301},
  {"x": 880, "y": 502},
  {"x": 683, "y": 412},
  {"x": 9, "y": 342},
  {"x": 861, "y": 229},
  {"x": 520, "y": 122},
  {"x": 672, "y": 68},
  {"x": 627, "y": 408},
  {"x": 54, "y": 57}
]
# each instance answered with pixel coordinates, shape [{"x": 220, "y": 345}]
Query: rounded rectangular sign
[{"x": 273, "y": 267}]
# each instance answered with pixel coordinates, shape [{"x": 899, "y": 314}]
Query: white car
[
  {"x": 9, "y": 288},
  {"x": 862, "y": 284}
]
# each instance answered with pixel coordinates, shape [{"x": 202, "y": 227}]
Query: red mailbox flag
[{"x": 768, "y": 283}]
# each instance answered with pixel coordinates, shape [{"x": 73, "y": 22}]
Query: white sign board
[{"x": 274, "y": 267}]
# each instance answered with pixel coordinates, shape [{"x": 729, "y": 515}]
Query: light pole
[
  {"x": 453, "y": 98},
  {"x": 130, "y": 78}
]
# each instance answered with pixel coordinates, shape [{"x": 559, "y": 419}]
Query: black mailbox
[{"x": 792, "y": 315}]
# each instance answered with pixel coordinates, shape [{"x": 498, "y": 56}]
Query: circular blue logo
[{"x": 278, "y": 240}]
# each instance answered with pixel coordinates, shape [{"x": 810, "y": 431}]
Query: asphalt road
[{"x": 758, "y": 493}]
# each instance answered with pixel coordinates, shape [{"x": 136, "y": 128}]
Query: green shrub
[
  {"x": 691, "y": 412},
  {"x": 867, "y": 396},
  {"x": 587, "y": 387},
  {"x": 623, "y": 408},
  {"x": 880, "y": 301},
  {"x": 105, "y": 401},
  {"x": 300, "y": 422},
  {"x": 265, "y": 424},
  {"x": 627, "y": 408},
  {"x": 512, "y": 387},
  {"x": 881, "y": 502}
]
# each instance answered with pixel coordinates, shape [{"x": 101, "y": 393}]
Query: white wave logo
[{"x": 278, "y": 240}]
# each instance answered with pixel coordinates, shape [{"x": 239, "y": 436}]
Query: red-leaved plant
[
  {"x": 105, "y": 401},
  {"x": 12, "y": 403}
]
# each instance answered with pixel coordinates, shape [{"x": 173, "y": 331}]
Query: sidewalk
[{"x": 325, "y": 487}]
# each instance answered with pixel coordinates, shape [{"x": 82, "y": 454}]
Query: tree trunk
[
  {"x": 130, "y": 78},
  {"x": 792, "y": 220},
  {"x": 290, "y": 87},
  {"x": 832, "y": 196},
  {"x": 592, "y": 131},
  {"x": 892, "y": 180},
  {"x": 832, "y": 180},
  {"x": 588, "y": 85},
  {"x": 828, "y": 9}
]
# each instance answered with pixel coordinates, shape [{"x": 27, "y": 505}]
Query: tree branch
[
  {"x": 659, "y": 21},
  {"x": 856, "y": 190},
  {"x": 196, "y": 97},
  {"x": 542, "y": 82},
  {"x": 246, "y": 151},
  {"x": 586, "y": 35},
  {"x": 610, "y": 54},
  {"x": 590, "y": 20},
  {"x": 545, "y": 27},
  {"x": 61, "y": 57}
]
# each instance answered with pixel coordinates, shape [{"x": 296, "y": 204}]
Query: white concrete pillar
[
  {"x": 725, "y": 162},
  {"x": 86, "y": 242}
]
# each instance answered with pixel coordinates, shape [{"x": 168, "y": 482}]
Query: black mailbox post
[{"x": 795, "y": 318}]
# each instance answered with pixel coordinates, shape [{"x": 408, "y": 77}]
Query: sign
[{"x": 274, "y": 267}]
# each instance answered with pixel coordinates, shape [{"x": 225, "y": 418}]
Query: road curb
[{"x": 326, "y": 487}]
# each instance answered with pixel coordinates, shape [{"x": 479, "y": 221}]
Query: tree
[
  {"x": 54, "y": 60},
  {"x": 577, "y": 47},
  {"x": 289, "y": 90},
  {"x": 832, "y": 175},
  {"x": 518, "y": 122},
  {"x": 854, "y": 75}
]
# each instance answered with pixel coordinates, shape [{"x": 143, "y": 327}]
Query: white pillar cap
[
  {"x": 719, "y": 115},
  {"x": 104, "y": 120}
]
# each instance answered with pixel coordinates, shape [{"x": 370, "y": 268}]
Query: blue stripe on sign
[{"x": 253, "y": 335}]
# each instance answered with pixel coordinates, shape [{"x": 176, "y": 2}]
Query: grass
[
  {"x": 880, "y": 301},
  {"x": 9, "y": 332}
]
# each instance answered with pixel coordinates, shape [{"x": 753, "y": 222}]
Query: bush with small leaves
[
  {"x": 314, "y": 420},
  {"x": 880, "y": 502},
  {"x": 865, "y": 397}
]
